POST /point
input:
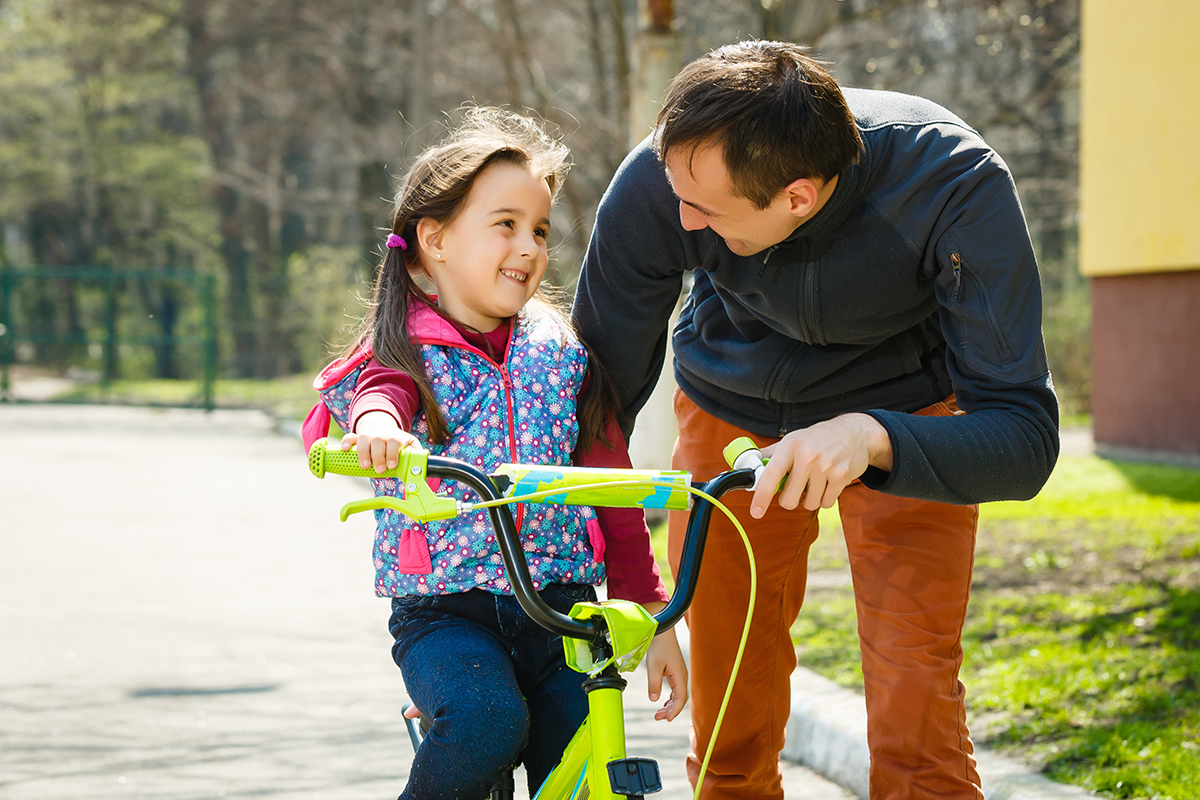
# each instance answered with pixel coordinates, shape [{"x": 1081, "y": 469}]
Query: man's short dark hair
[{"x": 778, "y": 114}]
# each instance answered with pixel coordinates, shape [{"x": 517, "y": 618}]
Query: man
[{"x": 866, "y": 307}]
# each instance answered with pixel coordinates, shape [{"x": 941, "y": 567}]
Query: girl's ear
[{"x": 429, "y": 236}]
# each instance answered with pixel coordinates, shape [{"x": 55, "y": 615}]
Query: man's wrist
[{"x": 879, "y": 443}]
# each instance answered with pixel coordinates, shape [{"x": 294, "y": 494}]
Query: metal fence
[{"x": 102, "y": 318}]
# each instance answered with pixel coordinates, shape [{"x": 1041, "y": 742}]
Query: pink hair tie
[{"x": 396, "y": 241}]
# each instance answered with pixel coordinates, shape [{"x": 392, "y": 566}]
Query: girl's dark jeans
[{"x": 494, "y": 684}]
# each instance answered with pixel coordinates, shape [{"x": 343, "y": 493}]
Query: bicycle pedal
[{"x": 634, "y": 777}]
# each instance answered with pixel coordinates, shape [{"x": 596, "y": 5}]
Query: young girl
[{"x": 489, "y": 372}]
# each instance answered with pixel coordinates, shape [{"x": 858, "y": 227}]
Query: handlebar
[{"x": 421, "y": 503}]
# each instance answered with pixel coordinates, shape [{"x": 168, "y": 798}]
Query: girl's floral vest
[{"x": 518, "y": 411}]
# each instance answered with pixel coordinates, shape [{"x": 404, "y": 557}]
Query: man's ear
[
  {"x": 802, "y": 195},
  {"x": 429, "y": 236}
]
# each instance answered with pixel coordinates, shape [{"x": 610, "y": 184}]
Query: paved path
[{"x": 184, "y": 617}]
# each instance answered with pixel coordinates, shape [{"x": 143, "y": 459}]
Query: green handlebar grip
[
  {"x": 323, "y": 458},
  {"x": 742, "y": 446},
  {"x": 735, "y": 449}
]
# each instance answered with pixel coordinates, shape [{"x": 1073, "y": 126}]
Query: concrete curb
[{"x": 827, "y": 732}]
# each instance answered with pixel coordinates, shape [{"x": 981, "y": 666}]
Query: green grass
[{"x": 1083, "y": 634}]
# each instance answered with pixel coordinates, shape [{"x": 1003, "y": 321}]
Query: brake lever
[
  {"x": 420, "y": 502},
  {"x": 414, "y": 508}
]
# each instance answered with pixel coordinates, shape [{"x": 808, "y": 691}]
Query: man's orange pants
[{"x": 911, "y": 564}]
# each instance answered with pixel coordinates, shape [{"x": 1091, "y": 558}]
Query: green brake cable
[{"x": 737, "y": 662}]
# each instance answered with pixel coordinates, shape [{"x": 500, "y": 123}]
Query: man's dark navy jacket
[{"x": 916, "y": 279}]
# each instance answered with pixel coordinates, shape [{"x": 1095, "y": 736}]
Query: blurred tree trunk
[
  {"x": 162, "y": 300},
  {"x": 54, "y": 306},
  {"x": 252, "y": 79},
  {"x": 202, "y": 53},
  {"x": 622, "y": 70}
]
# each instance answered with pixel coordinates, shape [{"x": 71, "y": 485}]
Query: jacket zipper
[
  {"x": 762, "y": 267},
  {"x": 810, "y": 304},
  {"x": 956, "y": 265},
  {"x": 512, "y": 431},
  {"x": 810, "y": 292},
  {"x": 508, "y": 403}
]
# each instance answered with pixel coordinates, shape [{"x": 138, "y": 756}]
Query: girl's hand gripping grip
[
  {"x": 419, "y": 501},
  {"x": 322, "y": 458}
]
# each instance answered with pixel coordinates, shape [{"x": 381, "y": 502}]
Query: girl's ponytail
[{"x": 395, "y": 291}]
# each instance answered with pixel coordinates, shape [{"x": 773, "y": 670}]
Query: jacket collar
[
  {"x": 847, "y": 196},
  {"x": 426, "y": 325}
]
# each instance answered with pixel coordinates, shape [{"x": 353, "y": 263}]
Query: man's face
[{"x": 707, "y": 200}]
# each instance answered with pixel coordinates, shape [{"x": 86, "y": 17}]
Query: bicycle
[{"x": 602, "y": 639}]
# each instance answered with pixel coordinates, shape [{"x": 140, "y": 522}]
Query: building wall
[
  {"x": 1140, "y": 220},
  {"x": 1146, "y": 356},
  {"x": 1139, "y": 173}
]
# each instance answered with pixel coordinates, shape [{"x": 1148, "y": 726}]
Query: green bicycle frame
[
  {"x": 583, "y": 771},
  {"x": 618, "y": 633}
]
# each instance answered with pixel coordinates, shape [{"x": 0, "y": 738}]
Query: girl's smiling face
[{"x": 488, "y": 261}]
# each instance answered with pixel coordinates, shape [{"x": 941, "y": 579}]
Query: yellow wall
[{"x": 1140, "y": 137}]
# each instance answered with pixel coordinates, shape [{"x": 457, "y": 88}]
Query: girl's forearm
[
  {"x": 377, "y": 423},
  {"x": 384, "y": 389}
]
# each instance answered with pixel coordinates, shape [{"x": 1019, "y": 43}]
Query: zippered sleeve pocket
[{"x": 969, "y": 299}]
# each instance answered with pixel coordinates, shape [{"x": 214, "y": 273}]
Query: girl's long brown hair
[{"x": 437, "y": 186}]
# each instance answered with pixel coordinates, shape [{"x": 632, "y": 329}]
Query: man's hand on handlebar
[
  {"x": 820, "y": 461},
  {"x": 379, "y": 440}
]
